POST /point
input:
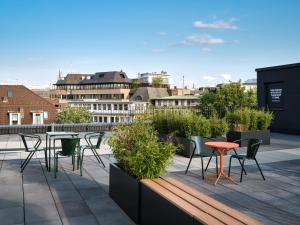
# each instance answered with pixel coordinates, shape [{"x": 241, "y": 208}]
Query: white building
[
  {"x": 111, "y": 111},
  {"x": 148, "y": 78},
  {"x": 176, "y": 101},
  {"x": 250, "y": 85}
]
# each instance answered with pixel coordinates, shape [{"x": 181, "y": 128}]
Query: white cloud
[
  {"x": 156, "y": 50},
  {"x": 162, "y": 33},
  {"x": 209, "y": 78},
  {"x": 226, "y": 77},
  {"x": 219, "y": 25},
  {"x": 205, "y": 49},
  {"x": 203, "y": 39}
]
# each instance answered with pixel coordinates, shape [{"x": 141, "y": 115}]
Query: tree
[
  {"x": 73, "y": 115},
  {"x": 135, "y": 84},
  {"x": 157, "y": 82},
  {"x": 226, "y": 97}
]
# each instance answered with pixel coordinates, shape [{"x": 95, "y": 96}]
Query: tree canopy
[
  {"x": 157, "y": 82},
  {"x": 73, "y": 115},
  {"x": 226, "y": 97}
]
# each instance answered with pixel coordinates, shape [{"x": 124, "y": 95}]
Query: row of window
[
  {"x": 90, "y": 96},
  {"x": 92, "y": 86},
  {"x": 37, "y": 118},
  {"x": 110, "y": 107},
  {"x": 110, "y": 119}
]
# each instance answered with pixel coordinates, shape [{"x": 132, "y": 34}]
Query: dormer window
[
  {"x": 122, "y": 76},
  {"x": 9, "y": 94}
]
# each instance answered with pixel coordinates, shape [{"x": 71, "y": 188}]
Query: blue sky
[{"x": 206, "y": 41}]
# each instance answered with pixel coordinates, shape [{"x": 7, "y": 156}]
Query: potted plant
[
  {"x": 139, "y": 155},
  {"x": 249, "y": 123}
]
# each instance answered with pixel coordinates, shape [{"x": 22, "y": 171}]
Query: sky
[{"x": 207, "y": 42}]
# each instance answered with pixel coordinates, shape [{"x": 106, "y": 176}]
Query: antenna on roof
[{"x": 59, "y": 75}]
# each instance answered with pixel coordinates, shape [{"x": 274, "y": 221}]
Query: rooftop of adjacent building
[{"x": 97, "y": 78}]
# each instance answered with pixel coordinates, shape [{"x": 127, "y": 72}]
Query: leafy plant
[
  {"x": 137, "y": 149},
  {"x": 157, "y": 82},
  {"x": 226, "y": 97},
  {"x": 249, "y": 119},
  {"x": 73, "y": 115},
  {"x": 218, "y": 127}
]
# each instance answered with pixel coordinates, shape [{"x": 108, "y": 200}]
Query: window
[
  {"x": 112, "y": 119},
  {"x": 9, "y": 94},
  {"x": 120, "y": 107},
  {"x": 125, "y": 107},
  {"x": 37, "y": 118},
  {"x": 176, "y": 102},
  {"x": 109, "y": 106},
  {"x": 95, "y": 119},
  {"x": 45, "y": 115},
  {"x": 100, "y": 119},
  {"x": 115, "y": 107},
  {"x": 104, "y": 106},
  {"x": 99, "y": 107},
  {"x": 95, "y": 106},
  {"x": 14, "y": 119},
  {"x": 105, "y": 119}
]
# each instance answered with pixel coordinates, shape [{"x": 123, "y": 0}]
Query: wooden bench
[{"x": 167, "y": 201}]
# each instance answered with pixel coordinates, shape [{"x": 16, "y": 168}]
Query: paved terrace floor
[{"x": 35, "y": 197}]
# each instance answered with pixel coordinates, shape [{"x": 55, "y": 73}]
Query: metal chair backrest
[
  {"x": 24, "y": 136},
  {"x": 101, "y": 134},
  {"x": 252, "y": 147},
  {"x": 69, "y": 146},
  {"x": 198, "y": 142}
]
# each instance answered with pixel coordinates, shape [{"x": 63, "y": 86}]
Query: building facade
[
  {"x": 111, "y": 111},
  {"x": 113, "y": 85},
  {"x": 176, "y": 102},
  {"x": 278, "y": 90},
  {"x": 19, "y": 105},
  {"x": 147, "y": 78},
  {"x": 250, "y": 85}
]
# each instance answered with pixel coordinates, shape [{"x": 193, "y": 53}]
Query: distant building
[
  {"x": 176, "y": 102},
  {"x": 250, "y": 85},
  {"x": 19, "y": 105},
  {"x": 113, "y": 85},
  {"x": 43, "y": 92},
  {"x": 180, "y": 91},
  {"x": 111, "y": 111},
  {"x": 146, "y": 94},
  {"x": 147, "y": 78}
]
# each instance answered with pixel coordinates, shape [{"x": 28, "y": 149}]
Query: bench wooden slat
[
  {"x": 181, "y": 203},
  {"x": 198, "y": 203},
  {"x": 212, "y": 202}
]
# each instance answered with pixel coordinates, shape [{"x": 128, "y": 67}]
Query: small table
[
  {"x": 53, "y": 134},
  {"x": 222, "y": 148}
]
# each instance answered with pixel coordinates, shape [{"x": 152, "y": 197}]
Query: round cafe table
[{"x": 221, "y": 148}]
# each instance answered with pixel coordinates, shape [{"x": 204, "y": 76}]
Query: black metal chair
[
  {"x": 32, "y": 150},
  {"x": 202, "y": 153},
  {"x": 69, "y": 147},
  {"x": 252, "y": 149},
  {"x": 93, "y": 147}
]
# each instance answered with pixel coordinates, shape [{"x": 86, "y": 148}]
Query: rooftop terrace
[{"x": 35, "y": 197}]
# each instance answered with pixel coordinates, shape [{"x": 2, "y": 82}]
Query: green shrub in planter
[
  {"x": 249, "y": 119},
  {"x": 218, "y": 127},
  {"x": 138, "y": 151}
]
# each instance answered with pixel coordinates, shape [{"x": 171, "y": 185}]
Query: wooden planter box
[
  {"x": 125, "y": 191},
  {"x": 263, "y": 135}
]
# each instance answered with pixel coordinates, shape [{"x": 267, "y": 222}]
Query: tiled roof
[
  {"x": 97, "y": 78},
  {"x": 148, "y": 93}
]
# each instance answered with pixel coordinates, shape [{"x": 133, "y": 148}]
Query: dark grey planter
[
  {"x": 156, "y": 210},
  {"x": 125, "y": 191},
  {"x": 263, "y": 135}
]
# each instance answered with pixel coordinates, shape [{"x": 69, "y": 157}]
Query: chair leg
[
  {"x": 242, "y": 170},
  {"x": 55, "y": 165},
  {"x": 81, "y": 162},
  {"x": 229, "y": 166},
  {"x": 240, "y": 162},
  {"x": 190, "y": 161},
  {"x": 46, "y": 159},
  {"x": 202, "y": 168},
  {"x": 27, "y": 161},
  {"x": 73, "y": 161},
  {"x": 207, "y": 164},
  {"x": 260, "y": 170},
  {"x": 98, "y": 157}
]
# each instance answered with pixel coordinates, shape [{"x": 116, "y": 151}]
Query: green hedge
[
  {"x": 249, "y": 119},
  {"x": 188, "y": 124}
]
